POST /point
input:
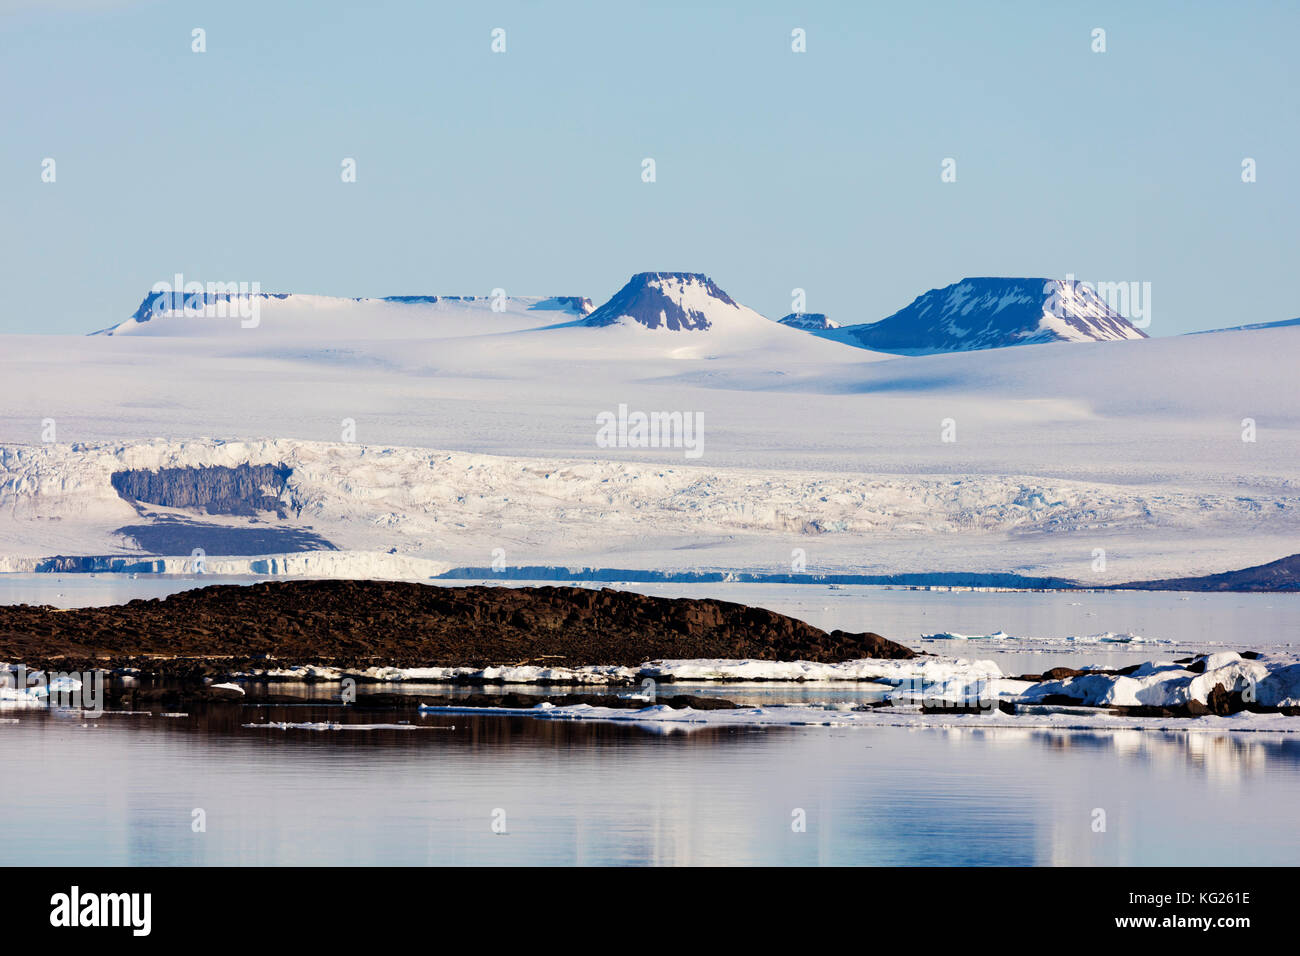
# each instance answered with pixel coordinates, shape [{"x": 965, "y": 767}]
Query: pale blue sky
[{"x": 522, "y": 170}]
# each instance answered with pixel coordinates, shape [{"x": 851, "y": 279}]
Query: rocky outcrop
[
  {"x": 808, "y": 321},
  {"x": 368, "y": 623},
  {"x": 216, "y": 489}
]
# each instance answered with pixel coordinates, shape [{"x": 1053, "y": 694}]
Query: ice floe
[
  {"x": 1268, "y": 680},
  {"x": 928, "y": 669},
  {"x": 953, "y": 636},
  {"x": 660, "y": 716},
  {"x": 997, "y": 637},
  {"x": 38, "y": 693},
  {"x": 328, "y": 725}
]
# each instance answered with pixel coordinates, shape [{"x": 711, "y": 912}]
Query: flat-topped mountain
[{"x": 990, "y": 313}]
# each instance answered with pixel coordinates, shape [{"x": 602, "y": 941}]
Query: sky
[{"x": 775, "y": 170}]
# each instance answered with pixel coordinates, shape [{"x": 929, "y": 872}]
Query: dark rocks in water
[
  {"x": 171, "y": 696},
  {"x": 1063, "y": 673},
  {"x": 1056, "y": 673},
  {"x": 217, "y": 489},
  {"x": 1220, "y": 702},
  {"x": 1280, "y": 575},
  {"x": 1223, "y": 701},
  {"x": 1060, "y": 700},
  {"x": 947, "y": 708},
  {"x": 361, "y": 624},
  {"x": 1196, "y": 663}
]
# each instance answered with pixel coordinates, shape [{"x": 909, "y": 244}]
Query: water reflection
[
  {"x": 1227, "y": 757},
  {"x": 121, "y": 789}
]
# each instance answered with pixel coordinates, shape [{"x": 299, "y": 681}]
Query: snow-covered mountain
[
  {"x": 1136, "y": 450},
  {"x": 216, "y": 313},
  {"x": 674, "y": 302},
  {"x": 990, "y": 313},
  {"x": 808, "y": 321},
  {"x": 972, "y": 314}
]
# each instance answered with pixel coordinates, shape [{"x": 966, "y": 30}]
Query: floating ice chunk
[
  {"x": 952, "y": 691},
  {"x": 1110, "y": 637},
  {"x": 38, "y": 694},
  {"x": 62, "y": 684},
  {"x": 20, "y": 697},
  {"x": 659, "y": 719},
  {"x": 521, "y": 674},
  {"x": 954, "y": 636},
  {"x": 326, "y": 725},
  {"x": 929, "y": 668}
]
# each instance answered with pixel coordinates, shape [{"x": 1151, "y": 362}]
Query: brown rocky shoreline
[{"x": 360, "y": 624}]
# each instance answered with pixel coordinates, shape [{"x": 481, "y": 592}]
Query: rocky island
[{"x": 363, "y": 624}]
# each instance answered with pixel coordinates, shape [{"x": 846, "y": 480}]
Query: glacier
[{"x": 426, "y": 433}]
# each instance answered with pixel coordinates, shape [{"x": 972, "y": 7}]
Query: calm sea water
[{"x": 123, "y": 789}]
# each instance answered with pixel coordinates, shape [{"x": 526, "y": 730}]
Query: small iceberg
[{"x": 954, "y": 636}]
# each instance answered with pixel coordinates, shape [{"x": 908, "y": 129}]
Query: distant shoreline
[{"x": 1281, "y": 576}]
